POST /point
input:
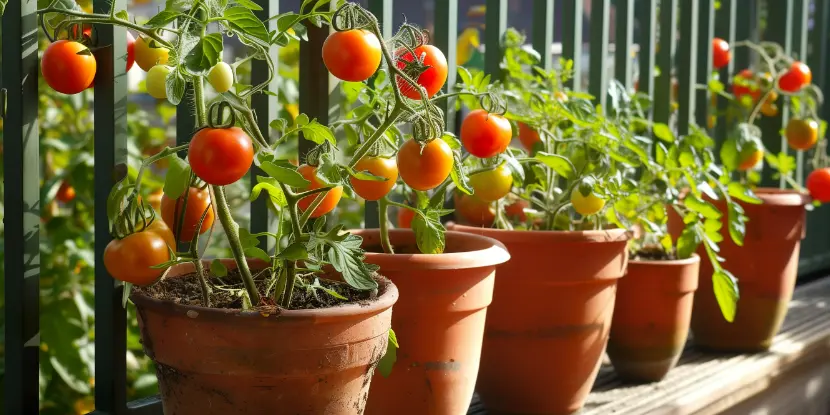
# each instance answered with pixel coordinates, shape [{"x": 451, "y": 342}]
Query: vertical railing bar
[
  {"x": 446, "y": 39},
  {"x": 706, "y": 30},
  {"x": 598, "y": 82},
  {"x": 21, "y": 238},
  {"x": 623, "y": 42},
  {"x": 819, "y": 57},
  {"x": 687, "y": 64},
  {"x": 572, "y": 40},
  {"x": 543, "y": 31},
  {"x": 725, "y": 28},
  {"x": 647, "y": 19},
  {"x": 110, "y": 166},
  {"x": 314, "y": 82},
  {"x": 495, "y": 17},
  {"x": 746, "y": 28},
  {"x": 801, "y": 13},
  {"x": 665, "y": 61}
]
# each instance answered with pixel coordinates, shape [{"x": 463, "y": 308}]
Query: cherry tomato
[
  {"x": 802, "y": 134},
  {"x": 797, "y": 77},
  {"x": 492, "y": 185},
  {"x": 485, "y": 135},
  {"x": 560, "y": 96},
  {"x": 68, "y": 67},
  {"x": 87, "y": 32},
  {"x": 157, "y": 81},
  {"x": 528, "y": 136},
  {"x": 130, "y": 259},
  {"x": 818, "y": 183},
  {"x": 750, "y": 159},
  {"x": 586, "y": 205},
  {"x": 431, "y": 79},
  {"x": 720, "y": 53},
  {"x": 154, "y": 199},
  {"x": 516, "y": 210},
  {"x": 378, "y": 166},
  {"x": 474, "y": 211},
  {"x": 405, "y": 217},
  {"x": 198, "y": 200},
  {"x": 329, "y": 201},
  {"x": 161, "y": 229},
  {"x": 746, "y": 77},
  {"x": 130, "y": 51},
  {"x": 424, "y": 169},
  {"x": 147, "y": 57},
  {"x": 220, "y": 156},
  {"x": 221, "y": 77},
  {"x": 352, "y": 55},
  {"x": 66, "y": 193}
]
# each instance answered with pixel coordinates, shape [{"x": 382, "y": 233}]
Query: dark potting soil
[
  {"x": 652, "y": 253},
  {"x": 227, "y": 292}
]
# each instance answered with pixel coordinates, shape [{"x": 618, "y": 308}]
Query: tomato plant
[{"x": 68, "y": 67}]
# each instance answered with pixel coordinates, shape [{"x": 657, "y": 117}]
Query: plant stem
[
  {"x": 82, "y": 17},
  {"x": 367, "y": 145},
  {"x": 383, "y": 219},
  {"x": 232, "y": 231},
  {"x": 758, "y": 106},
  {"x": 290, "y": 280},
  {"x": 199, "y": 98}
]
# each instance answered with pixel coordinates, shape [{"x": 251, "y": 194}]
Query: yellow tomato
[
  {"x": 492, "y": 185},
  {"x": 586, "y": 205},
  {"x": 147, "y": 57}
]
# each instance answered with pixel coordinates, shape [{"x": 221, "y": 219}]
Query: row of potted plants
[{"x": 302, "y": 329}]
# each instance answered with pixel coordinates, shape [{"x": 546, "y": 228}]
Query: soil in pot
[
  {"x": 266, "y": 360},
  {"x": 439, "y": 321},
  {"x": 652, "y": 315}
]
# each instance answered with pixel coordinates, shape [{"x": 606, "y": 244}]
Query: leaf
[
  {"x": 175, "y": 86},
  {"x": 559, "y": 164},
  {"x": 162, "y": 19},
  {"x": 687, "y": 242},
  {"x": 429, "y": 233},
  {"x": 347, "y": 258},
  {"x": 736, "y": 223},
  {"x": 248, "y": 4},
  {"x": 258, "y": 253},
  {"x": 272, "y": 187},
  {"x": 242, "y": 20},
  {"x": 294, "y": 252},
  {"x": 459, "y": 175},
  {"x": 218, "y": 269},
  {"x": 206, "y": 54},
  {"x": 387, "y": 362},
  {"x": 316, "y": 132},
  {"x": 725, "y": 286},
  {"x": 123, "y": 15},
  {"x": 451, "y": 140},
  {"x": 705, "y": 208},
  {"x": 178, "y": 177},
  {"x": 365, "y": 175},
  {"x": 743, "y": 193},
  {"x": 288, "y": 176},
  {"x": 74, "y": 382},
  {"x": 663, "y": 132}
]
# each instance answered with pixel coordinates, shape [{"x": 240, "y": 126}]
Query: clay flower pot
[
  {"x": 439, "y": 321},
  {"x": 549, "y": 322},
  {"x": 219, "y": 361},
  {"x": 766, "y": 267},
  {"x": 651, "y": 317}
]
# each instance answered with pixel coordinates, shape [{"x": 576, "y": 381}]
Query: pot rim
[
  {"x": 695, "y": 258},
  {"x": 492, "y": 253},
  {"x": 387, "y": 298},
  {"x": 512, "y": 235},
  {"x": 782, "y": 197}
]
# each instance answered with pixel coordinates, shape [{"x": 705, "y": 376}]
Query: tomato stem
[
  {"x": 232, "y": 231},
  {"x": 199, "y": 98},
  {"x": 197, "y": 262},
  {"x": 383, "y": 220}
]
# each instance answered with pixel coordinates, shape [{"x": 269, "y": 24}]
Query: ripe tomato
[
  {"x": 720, "y": 53},
  {"x": 802, "y": 134},
  {"x": 161, "y": 229},
  {"x": 516, "y": 210},
  {"x": 797, "y": 77},
  {"x": 68, "y": 67},
  {"x": 198, "y": 200},
  {"x": 818, "y": 183},
  {"x": 87, "y": 32},
  {"x": 586, "y": 205},
  {"x": 378, "y": 166},
  {"x": 157, "y": 81},
  {"x": 492, "y": 185},
  {"x": 431, "y": 79},
  {"x": 147, "y": 57},
  {"x": 405, "y": 217},
  {"x": 528, "y": 136},
  {"x": 130, "y": 51},
  {"x": 352, "y": 55},
  {"x": 485, "y": 135},
  {"x": 221, "y": 77},
  {"x": 474, "y": 211},
  {"x": 424, "y": 169},
  {"x": 154, "y": 199},
  {"x": 66, "y": 193},
  {"x": 750, "y": 160},
  {"x": 739, "y": 91},
  {"x": 329, "y": 202},
  {"x": 220, "y": 156},
  {"x": 130, "y": 259}
]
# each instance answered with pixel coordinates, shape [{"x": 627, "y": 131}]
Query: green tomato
[
  {"x": 221, "y": 77},
  {"x": 157, "y": 81}
]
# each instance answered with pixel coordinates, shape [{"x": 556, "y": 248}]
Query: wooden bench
[{"x": 793, "y": 377}]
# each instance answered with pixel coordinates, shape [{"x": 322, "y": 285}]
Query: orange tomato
[
  {"x": 424, "y": 169},
  {"x": 378, "y": 166},
  {"x": 329, "y": 201}
]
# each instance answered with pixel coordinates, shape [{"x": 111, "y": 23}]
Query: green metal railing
[{"x": 670, "y": 34}]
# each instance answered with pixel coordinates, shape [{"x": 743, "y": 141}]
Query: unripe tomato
[
  {"x": 221, "y": 77},
  {"x": 528, "y": 136},
  {"x": 516, "y": 210},
  {"x": 750, "y": 159},
  {"x": 157, "y": 81},
  {"x": 405, "y": 217},
  {"x": 720, "y": 53},
  {"x": 485, "y": 135},
  {"x": 198, "y": 200},
  {"x": 424, "y": 169},
  {"x": 329, "y": 201},
  {"x": 220, "y": 156},
  {"x": 68, "y": 67},
  {"x": 560, "y": 96},
  {"x": 130, "y": 50},
  {"x": 797, "y": 77},
  {"x": 802, "y": 134},
  {"x": 161, "y": 229},
  {"x": 586, "y": 205},
  {"x": 352, "y": 55},
  {"x": 818, "y": 183},
  {"x": 741, "y": 90},
  {"x": 378, "y": 166},
  {"x": 147, "y": 57},
  {"x": 66, "y": 193},
  {"x": 130, "y": 259},
  {"x": 492, "y": 185},
  {"x": 474, "y": 211},
  {"x": 431, "y": 79}
]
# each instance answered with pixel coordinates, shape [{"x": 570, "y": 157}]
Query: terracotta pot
[
  {"x": 651, "y": 317},
  {"x": 220, "y": 361},
  {"x": 439, "y": 321},
  {"x": 766, "y": 267},
  {"x": 548, "y": 325}
]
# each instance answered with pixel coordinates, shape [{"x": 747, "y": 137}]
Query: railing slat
[
  {"x": 21, "y": 160},
  {"x": 543, "y": 31},
  {"x": 706, "y": 30},
  {"x": 799, "y": 51},
  {"x": 600, "y": 18},
  {"x": 818, "y": 57},
  {"x": 495, "y": 17},
  {"x": 725, "y": 28},
  {"x": 665, "y": 56},
  {"x": 572, "y": 40},
  {"x": 446, "y": 39},
  {"x": 647, "y": 19},
  {"x": 623, "y": 41},
  {"x": 687, "y": 63},
  {"x": 314, "y": 81},
  {"x": 746, "y": 28}
]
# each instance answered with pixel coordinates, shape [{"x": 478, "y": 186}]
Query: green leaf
[
  {"x": 316, "y": 132},
  {"x": 726, "y": 292},
  {"x": 365, "y": 175},
  {"x": 561, "y": 165},
  {"x": 248, "y": 4},
  {"x": 429, "y": 233},
  {"x": 663, "y": 132},
  {"x": 218, "y": 269},
  {"x": 743, "y": 193},
  {"x": 206, "y": 54},
  {"x": 178, "y": 177},
  {"x": 451, "y": 140},
  {"x": 351, "y": 135},
  {"x": 687, "y": 242},
  {"x": 175, "y": 86},
  {"x": 347, "y": 258},
  {"x": 736, "y": 223},
  {"x": 459, "y": 175},
  {"x": 272, "y": 187},
  {"x": 123, "y": 15},
  {"x": 705, "y": 208},
  {"x": 660, "y": 154},
  {"x": 388, "y": 360},
  {"x": 71, "y": 378},
  {"x": 258, "y": 253},
  {"x": 288, "y": 176},
  {"x": 164, "y": 18},
  {"x": 246, "y": 239},
  {"x": 244, "y": 22},
  {"x": 294, "y": 252}
]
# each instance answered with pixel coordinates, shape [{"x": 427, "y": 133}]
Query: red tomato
[
  {"x": 474, "y": 211},
  {"x": 198, "y": 200},
  {"x": 745, "y": 75},
  {"x": 432, "y": 79},
  {"x": 352, "y": 55},
  {"x": 220, "y": 156},
  {"x": 329, "y": 201},
  {"x": 378, "y": 166},
  {"x": 485, "y": 135},
  {"x": 161, "y": 229},
  {"x": 528, "y": 136},
  {"x": 130, "y": 51},
  {"x": 130, "y": 259},
  {"x": 720, "y": 53},
  {"x": 405, "y": 217},
  {"x": 516, "y": 210},
  {"x": 797, "y": 77},
  {"x": 66, "y": 193},
  {"x": 818, "y": 183},
  {"x": 68, "y": 67},
  {"x": 424, "y": 169}
]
